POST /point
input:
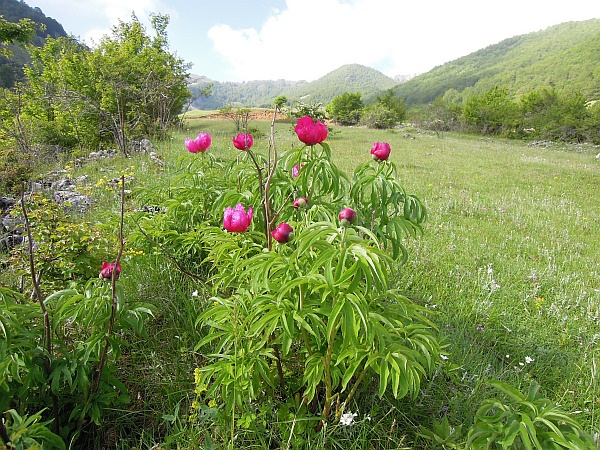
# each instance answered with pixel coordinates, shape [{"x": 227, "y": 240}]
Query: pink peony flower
[
  {"x": 283, "y": 233},
  {"x": 300, "y": 203},
  {"x": 243, "y": 141},
  {"x": 309, "y": 132},
  {"x": 381, "y": 151},
  {"x": 200, "y": 144},
  {"x": 347, "y": 216},
  {"x": 237, "y": 220},
  {"x": 108, "y": 268}
]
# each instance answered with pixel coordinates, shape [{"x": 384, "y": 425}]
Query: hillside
[
  {"x": 564, "y": 55},
  {"x": 13, "y": 11},
  {"x": 348, "y": 78}
]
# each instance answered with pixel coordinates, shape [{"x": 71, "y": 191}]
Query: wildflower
[
  {"x": 309, "y": 131},
  {"x": 283, "y": 233},
  {"x": 243, "y": 141},
  {"x": 347, "y": 216},
  {"x": 195, "y": 293},
  {"x": 444, "y": 357},
  {"x": 381, "y": 151},
  {"x": 539, "y": 302},
  {"x": 480, "y": 328},
  {"x": 108, "y": 268},
  {"x": 200, "y": 144},
  {"x": 237, "y": 220},
  {"x": 347, "y": 419},
  {"x": 300, "y": 202},
  {"x": 529, "y": 360}
]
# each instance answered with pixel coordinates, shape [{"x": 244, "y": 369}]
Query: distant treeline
[{"x": 543, "y": 113}]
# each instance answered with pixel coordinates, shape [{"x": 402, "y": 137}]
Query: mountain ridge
[{"x": 347, "y": 78}]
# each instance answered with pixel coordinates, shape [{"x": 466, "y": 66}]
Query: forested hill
[
  {"x": 566, "y": 56},
  {"x": 349, "y": 78},
  {"x": 13, "y": 11}
]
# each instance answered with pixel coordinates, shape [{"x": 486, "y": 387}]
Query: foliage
[
  {"x": 130, "y": 85},
  {"x": 79, "y": 319},
  {"x": 379, "y": 117},
  {"x": 493, "y": 112},
  {"x": 541, "y": 114},
  {"x": 345, "y": 109},
  {"x": 528, "y": 421},
  {"x": 68, "y": 248},
  {"x": 29, "y": 433},
  {"x": 315, "y": 318},
  {"x": 20, "y": 32},
  {"x": 314, "y": 110}
]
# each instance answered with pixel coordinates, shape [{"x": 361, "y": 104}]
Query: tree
[
  {"x": 393, "y": 103},
  {"x": 493, "y": 112},
  {"x": 387, "y": 111},
  {"x": 129, "y": 86},
  {"x": 345, "y": 109},
  {"x": 19, "y": 32}
]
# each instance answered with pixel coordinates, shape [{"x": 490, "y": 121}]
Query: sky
[{"x": 244, "y": 40}]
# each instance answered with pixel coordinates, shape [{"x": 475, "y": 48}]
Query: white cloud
[
  {"x": 312, "y": 37},
  {"x": 95, "y": 18}
]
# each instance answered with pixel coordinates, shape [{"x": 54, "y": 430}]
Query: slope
[{"x": 565, "y": 55}]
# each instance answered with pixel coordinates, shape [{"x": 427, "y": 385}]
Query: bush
[
  {"x": 379, "y": 117},
  {"x": 345, "y": 109}
]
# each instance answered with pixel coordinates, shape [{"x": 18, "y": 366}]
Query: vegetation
[
  {"x": 17, "y": 14},
  {"x": 345, "y": 109},
  {"x": 288, "y": 289},
  {"x": 541, "y": 114},
  {"x": 560, "y": 56},
  {"x": 515, "y": 306}
]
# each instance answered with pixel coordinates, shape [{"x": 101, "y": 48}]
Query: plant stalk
[
  {"x": 113, "y": 313},
  {"x": 47, "y": 337}
]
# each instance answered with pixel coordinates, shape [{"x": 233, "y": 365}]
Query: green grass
[{"x": 508, "y": 264}]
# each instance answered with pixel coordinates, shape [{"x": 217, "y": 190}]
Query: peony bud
[
  {"x": 347, "y": 217},
  {"x": 283, "y": 233},
  {"x": 381, "y": 151},
  {"x": 300, "y": 203}
]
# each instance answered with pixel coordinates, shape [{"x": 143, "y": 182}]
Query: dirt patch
[{"x": 266, "y": 114}]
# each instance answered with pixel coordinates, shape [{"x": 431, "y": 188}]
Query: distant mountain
[
  {"x": 566, "y": 56},
  {"x": 11, "y": 68},
  {"x": 348, "y": 78}
]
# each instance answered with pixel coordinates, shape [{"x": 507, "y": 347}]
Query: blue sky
[{"x": 242, "y": 40}]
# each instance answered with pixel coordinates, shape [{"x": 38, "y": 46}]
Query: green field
[{"x": 508, "y": 265}]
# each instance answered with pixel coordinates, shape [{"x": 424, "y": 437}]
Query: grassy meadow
[{"x": 508, "y": 265}]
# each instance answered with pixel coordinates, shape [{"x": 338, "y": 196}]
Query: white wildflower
[
  {"x": 348, "y": 418},
  {"x": 195, "y": 293},
  {"x": 529, "y": 360},
  {"x": 444, "y": 357}
]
